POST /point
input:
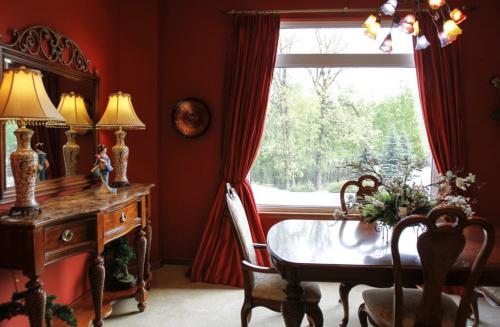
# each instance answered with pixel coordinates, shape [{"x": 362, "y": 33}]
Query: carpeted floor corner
[{"x": 175, "y": 301}]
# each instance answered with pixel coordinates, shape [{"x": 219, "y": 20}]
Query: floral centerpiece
[{"x": 399, "y": 196}]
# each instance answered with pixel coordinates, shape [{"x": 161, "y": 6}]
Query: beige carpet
[{"x": 175, "y": 301}]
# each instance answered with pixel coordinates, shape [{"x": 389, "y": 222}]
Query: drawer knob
[
  {"x": 67, "y": 235},
  {"x": 123, "y": 217}
]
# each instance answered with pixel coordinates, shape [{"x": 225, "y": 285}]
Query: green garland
[{"x": 17, "y": 307}]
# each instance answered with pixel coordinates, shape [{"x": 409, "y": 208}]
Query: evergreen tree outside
[{"x": 391, "y": 156}]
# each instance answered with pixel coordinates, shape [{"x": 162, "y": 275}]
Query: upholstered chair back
[{"x": 241, "y": 227}]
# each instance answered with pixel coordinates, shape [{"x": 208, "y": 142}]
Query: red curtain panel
[
  {"x": 249, "y": 74},
  {"x": 439, "y": 88}
]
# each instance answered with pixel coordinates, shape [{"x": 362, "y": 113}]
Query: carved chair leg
[
  {"x": 36, "y": 300},
  {"x": 344, "y": 290},
  {"x": 314, "y": 315},
  {"x": 363, "y": 315},
  {"x": 140, "y": 252},
  {"x": 246, "y": 314},
  {"x": 147, "y": 266},
  {"x": 97, "y": 273},
  {"x": 293, "y": 308}
]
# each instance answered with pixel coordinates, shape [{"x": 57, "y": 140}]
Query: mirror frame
[{"x": 46, "y": 49}]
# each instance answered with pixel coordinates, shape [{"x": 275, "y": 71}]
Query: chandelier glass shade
[{"x": 445, "y": 20}]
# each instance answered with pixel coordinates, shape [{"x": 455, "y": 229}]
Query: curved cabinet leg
[
  {"x": 147, "y": 265},
  {"x": 344, "y": 290},
  {"x": 293, "y": 308},
  {"x": 97, "y": 273},
  {"x": 140, "y": 251},
  {"x": 35, "y": 302}
]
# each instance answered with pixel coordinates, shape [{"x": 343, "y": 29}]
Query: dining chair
[
  {"x": 263, "y": 285},
  {"x": 366, "y": 185},
  {"x": 363, "y": 188},
  {"x": 438, "y": 247}
]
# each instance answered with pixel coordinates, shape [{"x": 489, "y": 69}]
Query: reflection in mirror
[
  {"x": 72, "y": 108},
  {"x": 49, "y": 142},
  {"x": 10, "y": 146}
]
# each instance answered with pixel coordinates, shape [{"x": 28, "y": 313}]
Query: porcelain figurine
[
  {"x": 43, "y": 163},
  {"x": 102, "y": 168}
]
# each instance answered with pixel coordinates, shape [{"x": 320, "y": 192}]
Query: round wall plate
[{"x": 191, "y": 117}]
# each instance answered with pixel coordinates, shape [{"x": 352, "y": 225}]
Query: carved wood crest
[{"x": 49, "y": 44}]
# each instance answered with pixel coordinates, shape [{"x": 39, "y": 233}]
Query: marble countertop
[{"x": 82, "y": 203}]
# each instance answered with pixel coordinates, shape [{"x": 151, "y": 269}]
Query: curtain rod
[{"x": 309, "y": 11}]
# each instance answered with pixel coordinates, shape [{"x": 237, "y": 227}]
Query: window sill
[{"x": 296, "y": 212}]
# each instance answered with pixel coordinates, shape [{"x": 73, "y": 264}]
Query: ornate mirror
[{"x": 65, "y": 69}]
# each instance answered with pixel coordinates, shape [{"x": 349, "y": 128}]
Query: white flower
[
  {"x": 471, "y": 178},
  {"x": 461, "y": 183}
]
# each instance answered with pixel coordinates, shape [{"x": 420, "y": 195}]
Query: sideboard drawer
[
  {"x": 77, "y": 236},
  {"x": 121, "y": 221}
]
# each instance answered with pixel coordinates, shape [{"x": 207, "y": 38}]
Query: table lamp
[
  {"x": 120, "y": 115},
  {"x": 23, "y": 99},
  {"x": 72, "y": 108}
]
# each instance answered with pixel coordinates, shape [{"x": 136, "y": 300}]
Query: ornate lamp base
[
  {"x": 120, "y": 184},
  {"x": 24, "y": 163},
  {"x": 71, "y": 152},
  {"x": 25, "y": 211},
  {"x": 120, "y": 160}
]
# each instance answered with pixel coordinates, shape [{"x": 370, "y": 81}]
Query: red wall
[
  {"x": 138, "y": 75},
  {"x": 193, "y": 42},
  {"x": 480, "y": 61},
  {"x": 121, "y": 39}
]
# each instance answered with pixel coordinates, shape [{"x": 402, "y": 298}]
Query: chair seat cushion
[
  {"x": 271, "y": 286},
  {"x": 379, "y": 304}
]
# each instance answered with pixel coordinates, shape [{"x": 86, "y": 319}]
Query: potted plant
[{"x": 117, "y": 255}]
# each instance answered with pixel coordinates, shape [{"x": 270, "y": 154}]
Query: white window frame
[{"x": 383, "y": 60}]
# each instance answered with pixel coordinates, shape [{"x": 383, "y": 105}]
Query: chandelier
[{"x": 444, "y": 19}]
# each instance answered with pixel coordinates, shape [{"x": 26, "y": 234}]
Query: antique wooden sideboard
[{"x": 81, "y": 222}]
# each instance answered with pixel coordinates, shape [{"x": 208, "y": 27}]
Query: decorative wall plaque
[{"x": 191, "y": 117}]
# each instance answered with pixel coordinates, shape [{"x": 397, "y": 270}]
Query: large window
[{"x": 335, "y": 98}]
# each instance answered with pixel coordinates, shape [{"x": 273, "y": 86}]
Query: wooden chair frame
[
  {"x": 362, "y": 189},
  {"x": 345, "y": 288},
  {"x": 314, "y": 314},
  {"x": 446, "y": 240}
]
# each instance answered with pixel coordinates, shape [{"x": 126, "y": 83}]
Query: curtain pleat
[
  {"x": 249, "y": 74},
  {"x": 438, "y": 78}
]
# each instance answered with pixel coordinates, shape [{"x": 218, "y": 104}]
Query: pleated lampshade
[
  {"x": 120, "y": 113},
  {"x": 72, "y": 108},
  {"x": 23, "y": 97}
]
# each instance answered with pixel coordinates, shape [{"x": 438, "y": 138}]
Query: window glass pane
[
  {"x": 340, "y": 40},
  {"x": 320, "y": 118}
]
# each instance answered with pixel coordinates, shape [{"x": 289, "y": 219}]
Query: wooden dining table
[{"x": 352, "y": 252}]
